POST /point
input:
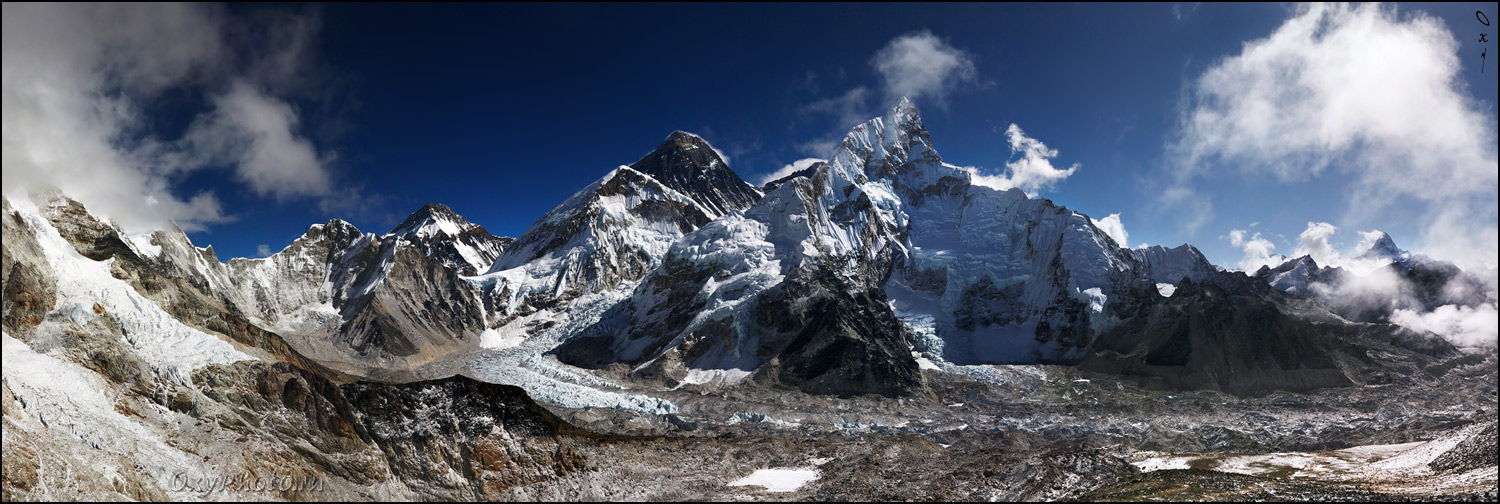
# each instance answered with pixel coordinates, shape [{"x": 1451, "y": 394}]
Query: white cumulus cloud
[
  {"x": 1257, "y": 251},
  {"x": 1313, "y": 242},
  {"x": 1031, "y": 173},
  {"x": 258, "y": 135},
  {"x": 1112, "y": 226},
  {"x": 1366, "y": 91}
]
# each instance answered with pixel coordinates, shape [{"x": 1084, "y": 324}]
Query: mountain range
[{"x": 846, "y": 279}]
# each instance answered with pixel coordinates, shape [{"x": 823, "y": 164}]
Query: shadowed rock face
[
  {"x": 849, "y": 344},
  {"x": 420, "y": 312},
  {"x": 812, "y": 334},
  {"x": 687, "y": 164},
  {"x": 29, "y": 290},
  {"x": 1236, "y": 334}
]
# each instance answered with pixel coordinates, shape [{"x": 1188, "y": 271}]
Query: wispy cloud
[
  {"x": 794, "y": 167},
  {"x": 920, "y": 65},
  {"x": 257, "y": 134},
  {"x": 1112, "y": 226},
  {"x": 846, "y": 110},
  {"x": 1179, "y": 12},
  {"x": 1031, "y": 173}
]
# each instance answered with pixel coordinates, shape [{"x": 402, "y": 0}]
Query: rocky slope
[{"x": 609, "y": 235}]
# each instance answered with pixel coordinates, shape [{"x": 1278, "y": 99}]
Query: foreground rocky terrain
[{"x": 874, "y": 327}]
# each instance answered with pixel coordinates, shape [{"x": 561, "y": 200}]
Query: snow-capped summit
[
  {"x": 688, "y": 164},
  {"x": 430, "y": 220},
  {"x": 1386, "y": 248},
  {"x": 1292, "y": 276},
  {"x": 609, "y": 235},
  {"x": 1171, "y": 265},
  {"x": 444, "y": 235}
]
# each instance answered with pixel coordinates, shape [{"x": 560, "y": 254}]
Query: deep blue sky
[{"x": 502, "y": 111}]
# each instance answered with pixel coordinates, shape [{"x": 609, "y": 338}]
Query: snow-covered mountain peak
[
  {"x": 454, "y": 241},
  {"x": 895, "y": 146},
  {"x": 430, "y": 220},
  {"x": 1171, "y": 265},
  {"x": 1293, "y": 276},
  {"x": 1385, "y": 248}
]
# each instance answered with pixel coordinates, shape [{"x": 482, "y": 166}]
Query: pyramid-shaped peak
[
  {"x": 905, "y": 104},
  {"x": 680, "y": 136},
  {"x": 431, "y": 219},
  {"x": 688, "y": 164},
  {"x": 1385, "y": 247},
  {"x": 680, "y": 151},
  {"x": 435, "y": 209},
  {"x": 904, "y": 115}
]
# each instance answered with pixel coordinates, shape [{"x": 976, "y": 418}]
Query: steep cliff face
[
  {"x": 978, "y": 275},
  {"x": 29, "y": 291},
  {"x": 1171, "y": 265},
  {"x": 1238, "y": 335}
]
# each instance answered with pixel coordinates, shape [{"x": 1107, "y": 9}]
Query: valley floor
[
  {"x": 978, "y": 433},
  {"x": 1045, "y": 432}
]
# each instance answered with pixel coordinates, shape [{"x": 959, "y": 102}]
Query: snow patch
[
  {"x": 723, "y": 376},
  {"x": 495, "y": 340},
  {"x": 779, "y": 479},
  {"x": 171, "y": 348}
]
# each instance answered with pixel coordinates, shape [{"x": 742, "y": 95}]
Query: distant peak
[
  {"x": 688, "y": 164},
  {"x": 1385, "y": 247},
  {"x": 681, "y": 150},
  {"x": 431, "y": 219},
  {"x": 335, "y": 224}
]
